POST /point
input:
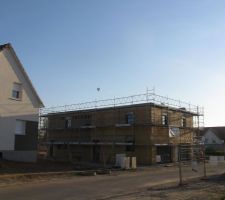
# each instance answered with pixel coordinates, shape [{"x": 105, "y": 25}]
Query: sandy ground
[{"x": 211, "y": 189}]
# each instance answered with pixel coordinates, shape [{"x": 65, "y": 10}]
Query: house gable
[
  {"x": 211, "y": 138},
  {"x": 12, "y": 74},
  {"x": 19, "y": 104}
]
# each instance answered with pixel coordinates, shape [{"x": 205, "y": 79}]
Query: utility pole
[{"x": 180, "y": 168}]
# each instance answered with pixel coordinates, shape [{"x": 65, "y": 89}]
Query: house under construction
[{"x": 147, "y": 126}]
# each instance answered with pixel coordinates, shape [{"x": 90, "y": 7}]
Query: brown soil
[{"x": 8, "y": 167}]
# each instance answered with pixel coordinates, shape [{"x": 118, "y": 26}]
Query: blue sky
[{"x": 69, "y": 48}]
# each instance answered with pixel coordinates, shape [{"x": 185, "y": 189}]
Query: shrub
[{"x": 209, "y": 151}]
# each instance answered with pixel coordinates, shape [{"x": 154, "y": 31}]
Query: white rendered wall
[{"x": 10, "y": 110}]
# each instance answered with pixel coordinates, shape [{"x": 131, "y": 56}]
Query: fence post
[
  {"x": 180, "y": 170},
  {"x": 205, "y": 176}
]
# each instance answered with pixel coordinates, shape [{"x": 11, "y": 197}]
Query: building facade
[
  {"x": 19, "y": 109},
  {"x": 144, "y": 130}
]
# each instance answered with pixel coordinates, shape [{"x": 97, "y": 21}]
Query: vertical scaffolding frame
[{"x": 151, "y": 102}]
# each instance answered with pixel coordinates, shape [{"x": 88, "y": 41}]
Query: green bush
[{"x": 209, "y": 151}]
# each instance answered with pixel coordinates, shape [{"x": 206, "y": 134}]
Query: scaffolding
[{"x": 149, "y": 99}]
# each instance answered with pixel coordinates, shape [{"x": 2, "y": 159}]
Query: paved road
[{"x": 95, "y": 187}]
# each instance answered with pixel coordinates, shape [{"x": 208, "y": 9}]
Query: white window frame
[
  {"x": 183, "y": 122},
  {"x": 165, "y": 120},
  {"x": 20, "y": 127},
  {"x": 17, "y": 87}
]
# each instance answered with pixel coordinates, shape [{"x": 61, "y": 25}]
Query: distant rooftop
[{"x": 218, "y": 130}]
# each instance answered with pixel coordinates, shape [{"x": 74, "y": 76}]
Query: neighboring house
[
  {"x": 146, "y": 127},
  {"x": 19, "y": 109},
  {"x": 213, "y": 135}
]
